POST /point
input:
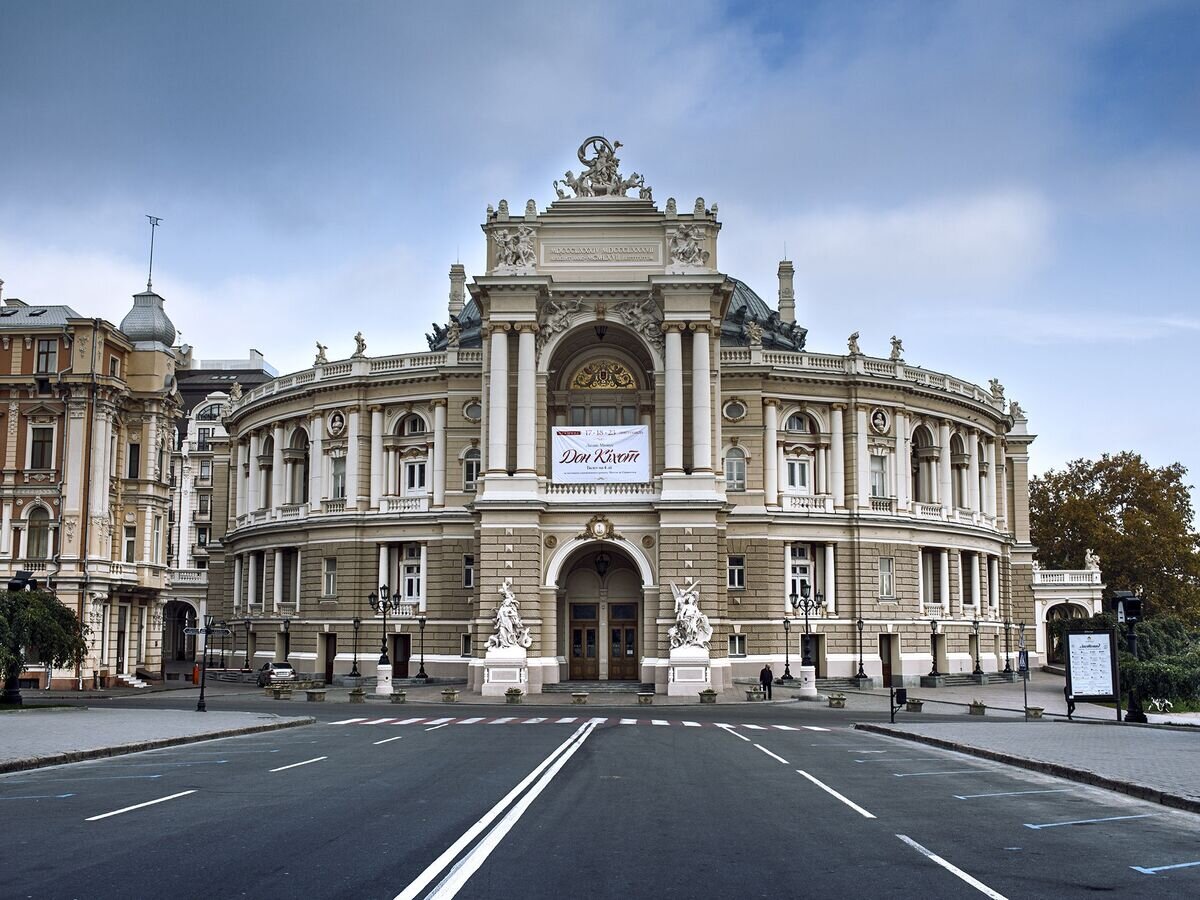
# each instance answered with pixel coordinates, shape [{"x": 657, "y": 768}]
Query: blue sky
[{"x": 1012, "y": 188}]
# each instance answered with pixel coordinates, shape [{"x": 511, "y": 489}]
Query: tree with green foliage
[
  {"x": 1138, "y": 519},
  {"x": 34, "y": 625}
]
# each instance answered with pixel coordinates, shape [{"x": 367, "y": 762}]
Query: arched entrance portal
[
  {"x": 600, "y": 611},
  {"x": 178, "y": 646},
  {"x": 1054, "y": 645}
]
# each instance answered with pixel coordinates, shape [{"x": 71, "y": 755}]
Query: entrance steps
[
  {"x": 597, "y": 687},
  {"x": 131, "y": 681},
  {"x": 824, "y": 685}
]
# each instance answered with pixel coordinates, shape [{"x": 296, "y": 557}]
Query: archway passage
[
  {"x": 600, "y": 607},
  {"x": 1055, "y": 645}
]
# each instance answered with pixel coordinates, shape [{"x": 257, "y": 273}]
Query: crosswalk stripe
[
  {"x": 629, "y": 721},
  {"x": 691, "y": 724},
  {"x": 439, "y": 721},
  {"x": 378, "y": 721},
  {"x": 814, "y": 728},
  {"x": 470, "y": 721},
  {"x": 348, "y": 721},
  {"x": 411, "y": 721},
  {"x": 501, "y": 721},
  {"x": 599, "y": 721},
  {"x": 785, "y": 727},
  {"x": 659, "y": 722},
  {"x": 753, "y": 727},
  {"x": 567, "y": 720},
  {"x": 532, "y": 721}
]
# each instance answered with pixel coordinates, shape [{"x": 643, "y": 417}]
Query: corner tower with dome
[{"x": 616, "y": 463}]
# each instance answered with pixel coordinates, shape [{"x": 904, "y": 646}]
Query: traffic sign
[{"x": 213, "y": 630}]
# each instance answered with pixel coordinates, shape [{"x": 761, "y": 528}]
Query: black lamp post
[
  {"x": 1007, "y": 648},
  {"x": 975, "y": 627},
  {"x": 382, "y": 603},
  {"x": 246, "y": 622},
  {"x": 421, "y": 624},
  {"x": 809, "y": 603},
  {"x": 787, "y": 649},
  {"x": 861, "y": 672},
  {"x": 287, "y": 639},
  {"x": 207, "y": 632},
  {"x": 357, "y": 623},
  {"x": 933, "y": 646}
]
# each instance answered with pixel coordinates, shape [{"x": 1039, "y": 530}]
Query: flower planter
[
  {"x": 837, "y": 701},
  {"x": 450, "y": 695},
  {"x": 399, "y": 696},
  {"x": 913, "y": 705},
  {"x": 645, "y": 698},
  {"x": 513, "y": 696},
  {"x": 708, "y": 696},
  {"x": 357, "y": 695},
  {"x": 977, "y": 709},
  {"x": 1035, "y": 712},
  {"x": 579, "y": 698}
]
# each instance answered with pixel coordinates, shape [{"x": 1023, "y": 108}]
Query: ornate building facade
[{"x": 889, "y": 499}]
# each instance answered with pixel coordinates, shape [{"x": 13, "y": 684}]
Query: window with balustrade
[
  {"x": 879, "y": 483},
  {"x": 470, "y": 469},
  {"x": 413, "y": 577},
  {"x": 337, "y": 488},
  {"x": 735, "y": 469},
  {"x": 37, "y": 541},
  {"x": 798, "y": 475},
  {"x": 799, "y": 569},
  {"x": 130, "y": 543},
  {"x": 41, "y": 448}
]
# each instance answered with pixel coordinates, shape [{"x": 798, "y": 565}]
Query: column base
[
  {"x": 503, "y": 669},
  {"x": 383, "y": 681},
  {"x": 806, "y": 682},
  {"x": 689, "y": 672}
]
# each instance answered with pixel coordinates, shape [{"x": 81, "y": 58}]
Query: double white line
[{"x": 461, "y": 871}]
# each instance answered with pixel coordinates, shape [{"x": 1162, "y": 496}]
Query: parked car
[{"x": 275, "y": 673}]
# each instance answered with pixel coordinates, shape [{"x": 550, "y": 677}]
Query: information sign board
[
  {"x": 1091, "y": 665},
  {"x": 619, "y": 454}
]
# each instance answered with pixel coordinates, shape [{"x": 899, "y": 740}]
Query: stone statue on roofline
[
  {"x": 321, "y": 359},
  {"x": 601, "y": 177},
  {"x": 897, "y": 349},
  {"x": 360, "y": 346},
  {"x": 852, "y": 345}
]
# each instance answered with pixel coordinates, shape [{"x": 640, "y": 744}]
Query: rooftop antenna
[{"x": 155, "y": 221}]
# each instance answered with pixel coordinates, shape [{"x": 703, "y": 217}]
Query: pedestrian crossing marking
[
  {"x": 785, "y": 727},
  {"x": 814, "y": 727},
  {"x": 501, "y": 721},
  {"x": 659, "y": 722},
  {"x": 471, "y": 721},
  {"x": 599, "y": 721},
  {"x": 753, "y": 727},
  {"x": 377, "y": 721},
  {"x": 629, "y": 721},
  {"x": 409, "y": 721},
  {"x": 439, "y": 721},
  {"x": 691, "y": 724},
  {"x": 534, "y": 721},
  {"x": 349, "y": 721},
  {"x": 566, "y": 720}
]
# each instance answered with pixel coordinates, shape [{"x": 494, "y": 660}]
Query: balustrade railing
[
  {"x": 1066, "y": 576},
  {"x": 929, "y": 510},
  {"x": 808, "y": 503},
  {"x": 418, "y": 503}
]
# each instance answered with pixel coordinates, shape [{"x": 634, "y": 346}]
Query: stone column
[
  {"x": 526, "y": 399},
  {"x": 973, "y": 471},
  {"x": 946, "y": 495},
  {"x": 353, "y": 488},
  {"x": 239, "y": 484},
  {"x": 252, "y": 591},
  {"x": 316, "y": 462},
  {"x": 831, "y": 579},
  {"x": 994, "y": 583},
  {"x": 439, "y": 452},
  {"x": 944, "y": 581},
  {"x": 6, "y": 529},
  {"x": 384, "y": 560},
  {"x": 903, "y": 465},
  {"x": 770, "y": 452},
  {"x": 822, "y": 485},
  {"x": 989, "y": 481},
  {"x": 254, "y": 472},
  {"x": 497, "y": 456},
  {"x": 277, "y": 482},
  {"x": 277, "y": 581},
  {"x": 376, "y": 456},
  {"x": 673, "y": 405},
  {"x": 837, "y": 462},
  {"x": 701, "y": 398},
  {"x": 975, "y": 582},
  {"x": 237, "y": 581},
  {"x": 862, "y": 462},
  {"x": 298, "y": 574}
]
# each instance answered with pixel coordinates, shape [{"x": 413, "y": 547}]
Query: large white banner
[{"x": 592, "y": 454}]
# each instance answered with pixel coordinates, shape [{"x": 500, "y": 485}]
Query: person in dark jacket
[{"x": 765, "y": 678}]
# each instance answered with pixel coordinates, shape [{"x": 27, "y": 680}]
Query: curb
[
  {"x": 1071, "y": 773},
  {"x": 58, "y": 759}
]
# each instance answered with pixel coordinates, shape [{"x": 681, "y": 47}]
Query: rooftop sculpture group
[{"x": 601, "y": 178}]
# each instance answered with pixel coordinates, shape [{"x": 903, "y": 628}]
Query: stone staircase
[
  {"x": 597, "y": 687},
  {"x": 825, "y": 685},
  {"x": 131, "y": 681}
]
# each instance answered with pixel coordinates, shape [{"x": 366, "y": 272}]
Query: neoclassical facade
[{"x": 891, "y": 495}]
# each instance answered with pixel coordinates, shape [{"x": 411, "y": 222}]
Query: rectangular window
[
  {"x": 735, "y": 470},
  {"x": 887, "y": 580},
  {"x": 468, "y": 570},
  {"x": 797, "y": 476},
  {"x": 134, "y": 468},
  {"x": 800, "y": 570},
  {"x": 339, "y": 478},
  {"x": 412, "y": 571},
  {"x": 470, "y": 470},
  {"x": 204, "y": 438},
  {"x": 578, "y": 415},
  {"x": 41, "y": 455},
  {"x": 604, "y": 416},
  {"x": 203, "y": 504},
  {"x": 156, "y": 536},
  {"x": 130, "y": 543},
  {"x": 735, "y": 573},
  {"x": 464, "y": 645},
  {"x": 202, "y": 536},
  {"x": 879, "y": 485},
  {"x": 330, "y": 576},
  {"x": 414, "y": 477},
  {"x": 47, "y": 356},
  {"x": 205, "y": 470},
  {"x": 114, "y": 367},
  {"x": 737, "y": 645}
]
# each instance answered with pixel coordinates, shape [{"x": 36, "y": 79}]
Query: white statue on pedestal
[
  {"x": 691, "y": 627},
  {"x": 510, "y": 631}
]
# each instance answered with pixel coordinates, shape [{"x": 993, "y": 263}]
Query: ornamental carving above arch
[{"x": 603, "y": 375}]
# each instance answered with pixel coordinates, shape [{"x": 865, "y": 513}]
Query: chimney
[
  {"x": 787, "y": 294},
  {"x": 458, "y": 282}
]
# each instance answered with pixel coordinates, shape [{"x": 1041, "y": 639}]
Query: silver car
[{"x": 276, "y": 673}]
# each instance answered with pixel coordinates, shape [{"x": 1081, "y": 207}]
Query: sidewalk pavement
[
  {"x": 1156, "y": 764},
  {"x": 31, "y": 738}
]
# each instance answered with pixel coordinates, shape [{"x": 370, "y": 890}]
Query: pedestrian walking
[{"x": 765, "y": 678}]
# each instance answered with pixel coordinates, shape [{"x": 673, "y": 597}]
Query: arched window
[
  {"x": 470, "y": 469},
  {"x": 798, "y": 422},
  {"x": 38, "y": 541},
  {"x": 924, "y": 465},
  {"x": 735, "y": 469},
  {"x": 412, "y": 424},
  {"x": 297, "y": 459}
]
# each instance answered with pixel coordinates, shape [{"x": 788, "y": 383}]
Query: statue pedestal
[
  {"x": 504, "y": 668},
  {"x": 689, "y": 672},
  {"x": 383, "y": 681},
  {"x": 807, "y": 682}
]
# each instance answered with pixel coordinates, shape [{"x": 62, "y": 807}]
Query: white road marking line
[
  {"x": 772, "y": 755},
  {"x": 117, "y": 812},
  {"x": 629, "y": 721},
  {"x": 349, "y": 721},
  {"x": 470, "y": 721},
  {"x": 659, "y": 722},
  {"x": 948, "y": 772},
  {"x": 378, "y": 721},
  {"x": 411, "y": 721},
  {"x": 422, "y": 880},
  {"x": 865, "y": 752},
  {"x": 952, "y": 869},
  {"x": 469, "y": 864},
  {"x": 436, "y": 727},
  {"x": 40, "y": 797},
  {"x": 895, "y": 760},
  {"x": 691, "y": 724},
  {"x": 389, "y": 740},
  {"x": 599, "y": 720},
  {"x": 1151, "y": 870},
  {"x": 1088, "y": 821},
  {"x": 502, "y": 720},
  {"x": 442, "y": 721},
  {"x": 305, "y": 763},
  {"x": 532, "y": 721},
  {"x": 753, "y": 727},
  {"x": 827, "y": 789},
  {"x": 785, "y": 727},
  {"x": 813, "y": 728},
  {"x": 566, "y": 720},
  {"x": 722, "y": 725},
  {"x": 1010, "y": 793},
  {"x": 728, "y": 729}
]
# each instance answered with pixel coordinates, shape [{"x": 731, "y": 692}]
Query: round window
[
  {"x": 473, "y": 411},
  {"x": 735, "y": 410}
]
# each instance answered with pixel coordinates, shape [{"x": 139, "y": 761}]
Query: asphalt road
[{"x": 731, "y": 805}]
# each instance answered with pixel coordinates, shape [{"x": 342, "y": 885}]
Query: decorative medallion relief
[
  {"x": 603, "y": 375},
  {"x": 599, "y": 528}
]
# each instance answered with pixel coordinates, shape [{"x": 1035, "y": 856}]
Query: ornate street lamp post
[
  {"x": 382, "y": 603},
  {"x": 975, "y": 628},
  {"x": 421, "y": 624},
  {"x": 861, "y": 672},
  {"x": 1007, "y": 648},
  {"x": 207, "y": 632},
  {"x": 787, "y": 649},
  {"x": 246, "y": 622},
  {"x": 933, "y": 647},
  {"x": 357, "y": 623},
  {"x": 809, "y": 603}
]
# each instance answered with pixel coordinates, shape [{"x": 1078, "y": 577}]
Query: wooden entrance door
[
  {"x": 623, "y": 642},
  {"x": 583, "y": 634},
  {"x": 401, "y": 654},
  {"x": 330, "y": 654},
  {"x": 122, "y": 625},
  {"x": 885, "y": 655}
]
